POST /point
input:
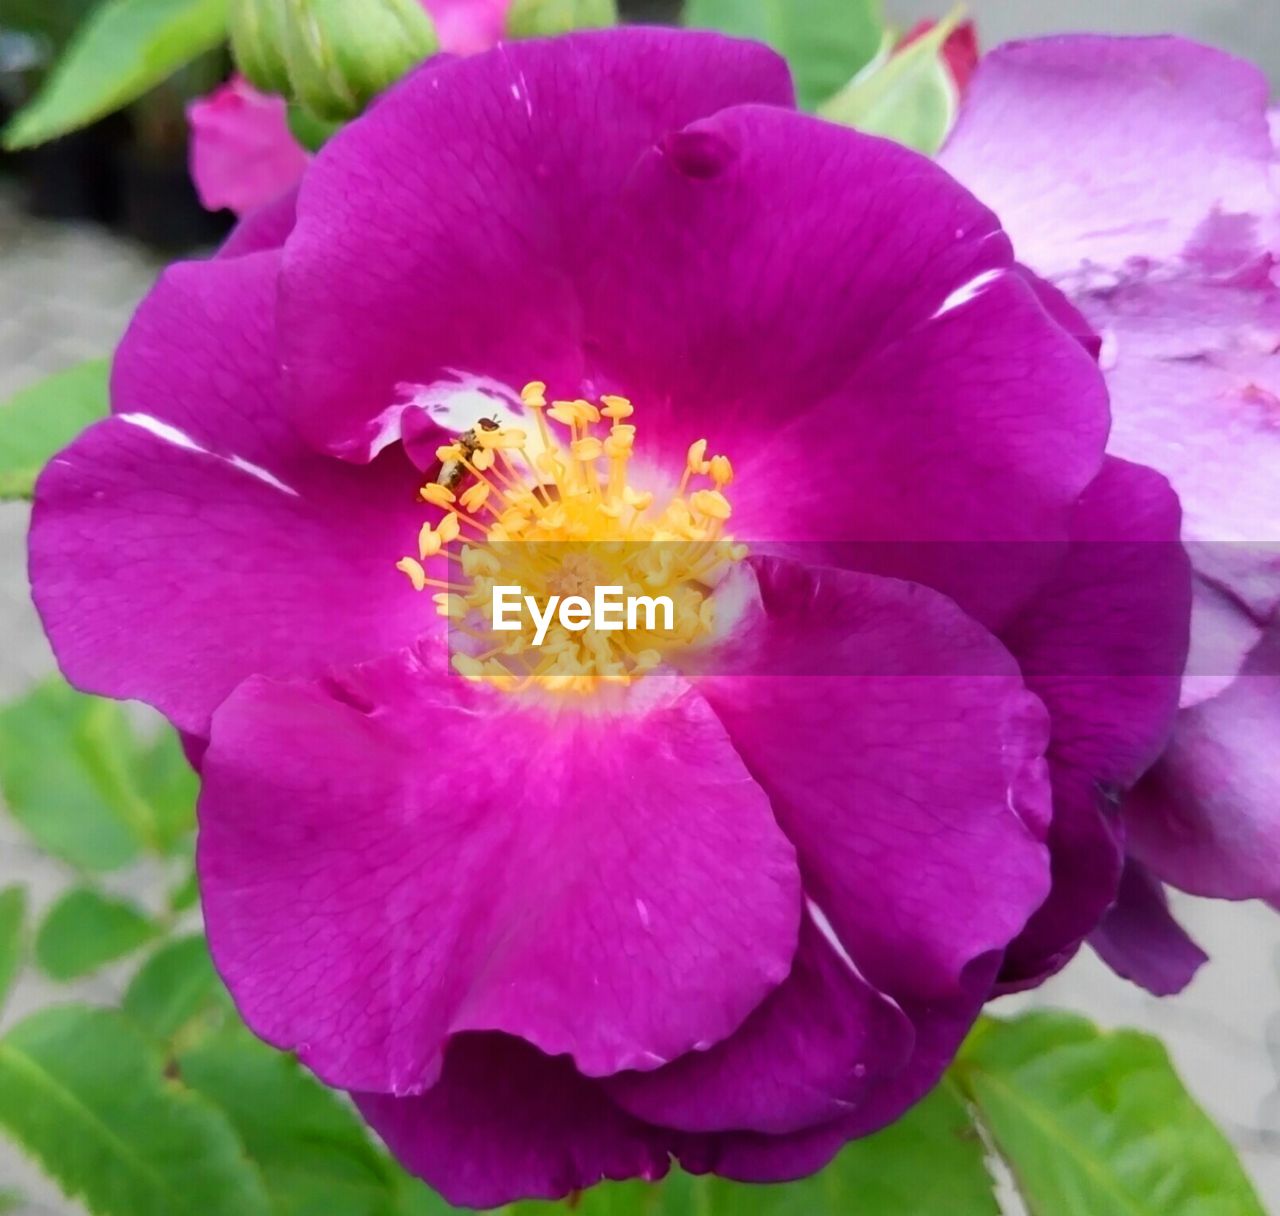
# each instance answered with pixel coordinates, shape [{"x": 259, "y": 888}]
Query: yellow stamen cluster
[{"x": 562, "y": 519}]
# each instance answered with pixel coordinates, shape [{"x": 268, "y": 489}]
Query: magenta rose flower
[
  {"x": 243, "y": 154},
  {"x": 732, "y": 896},
  {"x": 1138, "y": 175}
]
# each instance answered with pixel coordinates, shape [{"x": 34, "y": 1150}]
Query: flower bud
[
  {"x": 257, "y": 43},
  {"x": 332, "y": 56},
  {"x": 542, "y": 18}
]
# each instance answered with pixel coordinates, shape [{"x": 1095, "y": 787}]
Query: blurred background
[{"x": 86, "y": 223}]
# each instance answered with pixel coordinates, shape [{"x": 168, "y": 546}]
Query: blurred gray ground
[{"x": 65, "y": 295}]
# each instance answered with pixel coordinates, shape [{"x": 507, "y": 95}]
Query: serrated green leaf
[
  {"x": 86, "y": 930},
  {"x": 1092, "y": 1122},
  {"x": 122, "y": 50},
  {"x": 313, "y": 1150},
  {"x": 76, "y": 776},
  {"x": 825, "y": 41},
  {"x": 13, "y": 911},
  {"x": 175, "y": 985},
  {"x": 41, "y": 420},
  {"x": 908, "y": 96},
  {"x": 83, "y": 1093}
]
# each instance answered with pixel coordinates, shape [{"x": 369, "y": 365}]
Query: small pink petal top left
[{"x": 242, "y": 151}]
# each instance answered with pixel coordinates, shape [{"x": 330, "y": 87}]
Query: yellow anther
[
  {"x": 514, "y": 522},
  {"x": 616, "y": 407},
  {"x": 430, "y": 542},
  {"x": 475, "y": 495},
  {"x": 549, "y": 464},
  {"x": 448, "y": 529},
  {"x": 677, "y": 515},
  {"x": 437, "y": 495},
  {"x": 642, "y": 500},
  {"x": 696, "y": 460},
  {"x": 618, "y": 446},
  {"x": 450, "y": 605},
  {"x": 479, "y": 561},
  {"x": 468, "y": 665},
  {"x": 721, "y": 471},
  {"x": 586, "y": 449},
  {"x": 417, "y": 575},
  {"x": 711, "y": 503},
  {"x": 534, "y": 394},
  {"x": 483, "y": 459},
  {"x": 505, "y": 439},
  {"x": 646, "y": 660},
  {"x": 564, "y": 412}
]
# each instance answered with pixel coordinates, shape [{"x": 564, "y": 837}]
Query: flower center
[{"x": 530, "y": 525}]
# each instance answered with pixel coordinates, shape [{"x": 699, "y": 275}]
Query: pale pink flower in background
[
  {"x": 242, "y": 151},
  {"x": 467, "y": 26}
]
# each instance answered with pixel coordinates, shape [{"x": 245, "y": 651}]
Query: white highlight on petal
[
  {"x": 642, "y": 910},
  {"x": 459, "y": 403},
  {"x": 263, "y": 475},
  {"x": 966, "y": 292},
  {"x": 828, "y": 932},
  {"x": 168, "y": 433},
  {"x": 163, "y": 430}
]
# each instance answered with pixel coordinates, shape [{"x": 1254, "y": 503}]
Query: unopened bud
[
  {"x": 257, "y": 43},
  {"x": 332, "y": 56}
]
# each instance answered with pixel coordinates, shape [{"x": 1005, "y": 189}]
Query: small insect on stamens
[{"x": 453, "y": 470}]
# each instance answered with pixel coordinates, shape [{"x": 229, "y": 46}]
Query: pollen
[{"x": 557, "y": 511}]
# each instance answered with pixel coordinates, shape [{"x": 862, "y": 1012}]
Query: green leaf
[
  {"x": 311, "y": 1147},
  {"x": 83, "y": 1093},
  {"x": 166, "y": 785},
  {"x": 174, "y": 986},
  {"x": 76, "y": 776},
  {"x": 10, "y": 1201},
  {"x": 43, "y": 419},
  {"x": 186, "y": 894},
  {"x": 55, "y": 20},
  {"x": 121, "y": 51},
  {"x": 1092, "y": 1122},
  {"x": 908, "y": 96},
  {"x": 86, "y": 930},
  {"x": 825, "y": 41},
  {"x": 13, "y": 911}
]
